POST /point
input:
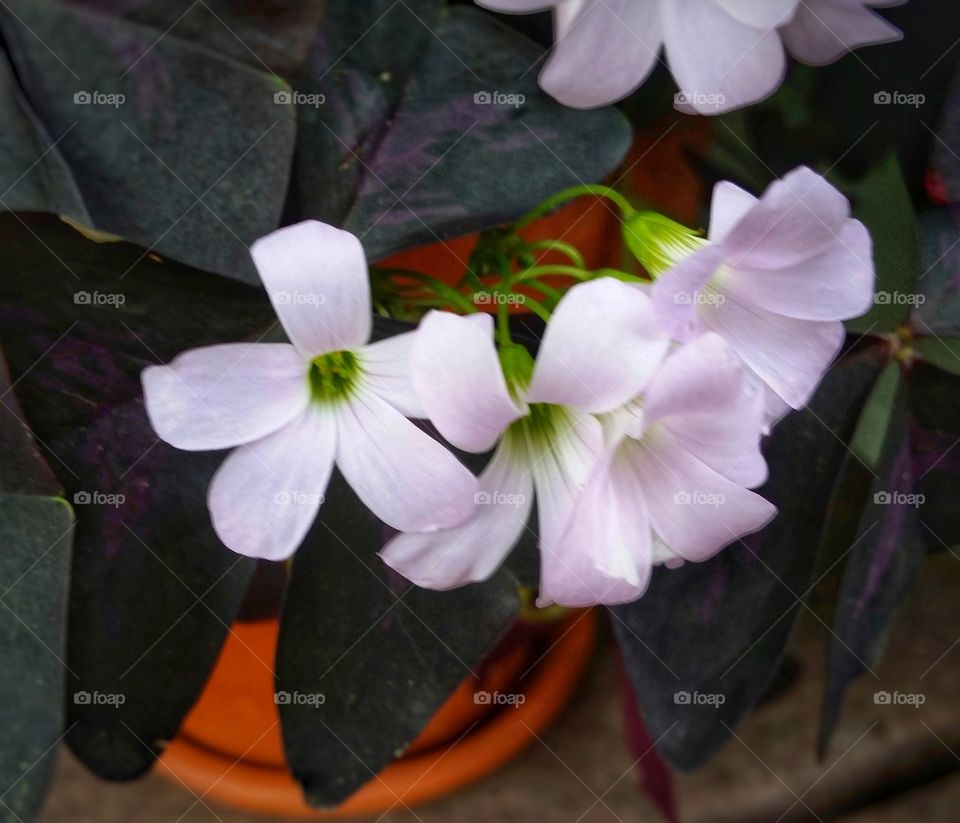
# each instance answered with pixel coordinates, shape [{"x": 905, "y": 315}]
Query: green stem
[
  {"x": 503, "y": 324},
  {"x": 567, "y": 249},
  {"x": 563, "y": 271},
  {"x": 562, "y": 197},
  {"x": 451, "y": 294}
]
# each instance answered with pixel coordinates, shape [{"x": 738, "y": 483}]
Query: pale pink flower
[
  {"x": 600, "y": 349},
  {"x": 723, "y": 54},
  {"x": 294, "y": 410},
  {"x": 775, "y": 280},
  {"x": 673, "y": 484}
]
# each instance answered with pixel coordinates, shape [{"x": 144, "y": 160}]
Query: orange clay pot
[{"x": 229, "y": 748}]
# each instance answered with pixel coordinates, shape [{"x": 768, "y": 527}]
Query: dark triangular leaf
[
  {"x": 934, "y": 398},
  {"x": 172, "y": 145},
  {"x": 717, "y": 629},
  {"x": 881, "y": 563},
  {"x": 383, "y": 654},
  {"x": 153, "y": 589},
  {"x": 412, "y": 141},
  {"x": 35, "y": 535}
]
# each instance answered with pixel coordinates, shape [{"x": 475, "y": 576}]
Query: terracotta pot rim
[{"x": 411, "y": 780}]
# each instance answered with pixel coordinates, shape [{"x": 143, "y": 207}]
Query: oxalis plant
[{"x": 210, "y": 365}]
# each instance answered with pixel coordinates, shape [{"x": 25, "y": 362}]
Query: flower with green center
[
  {"x": 293, "y": 410},
  {"x": 601, "y": 347}
]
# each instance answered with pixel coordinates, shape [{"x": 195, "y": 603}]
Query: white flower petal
[
  {"x": 835, "y": 284},
  {"x": 405, "y": 477},
  {"x": 221, "y": 396},
  {"x": 825, "y": 30},
  {"x": 458, "y": 378},
  {"x": 265, "y": 496},
  {"x": 760, "y": 14},
  {"x": 719, "y": 62},
  {"x": 795, "y": 219},
  {"x": 729, "y": 204},
  {"x": 603, "y": 51},
  {"x": 386, "y": 372},
  {"x": 316, "y": 277},
  {"x": 790, "y": 356},
  {"x": 605, "y": 553},
  {"x": 472, "y": 552},
  {"x": 700, "y": 398},
  {"x": 695, "y": 510},
  {"x": 561, "y": 469},
  {"x": 677, "y": 294},
  {"x": 600, "y": 349}
]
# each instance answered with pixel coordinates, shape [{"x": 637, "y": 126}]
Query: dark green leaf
[
  {"x": 718, "y": 628},
  {"x": 193, "y": 160},
  {"x": 880, "y": 200},
  {"x": 403, "y": 151},
  {"x": 938, "y": 310},
  {"x": 383, "y": 654},
  {"x": 881, "y": 563},
  {"x": 36, "y": 528}
]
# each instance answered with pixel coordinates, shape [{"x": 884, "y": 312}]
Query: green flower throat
[{"x": 334, "y": 376}]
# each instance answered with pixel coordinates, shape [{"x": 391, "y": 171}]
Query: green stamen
[
  {"x": 333, "y": 376},
  {"x": 659, "y": 242},
  {"x": 539, "y": 433}
]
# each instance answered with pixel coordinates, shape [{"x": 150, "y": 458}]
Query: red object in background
[{"x": 936, "y": 188}]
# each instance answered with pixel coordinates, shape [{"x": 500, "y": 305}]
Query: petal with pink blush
[
  {"x": 700, "y": 400},
  {"x": 825, "y": 30},
  {"x": 221, "y": 396},
  {"x": 603, "y": 51},
  {"x": 695, "y": 510},
  {"x": 761, "y": 14},
  {"x": 386, "y": 372},
  {"x": 265, "y": 496},
  {"x": 316, "y": 277},
  {"x": 719, "y": 62},
  {"x": 600, "y": 349},
  {"x": 405, "y": 477},
  {"x": 797, "y": 218},
  {"x": 473, "y": 551},
  {"x": 728, "y": 206},
  {"x": 835, "y": 284},
  {"x": 459, "y": 380},
  {"x": 677, "y": 295},
  {"x": 790, "y": 356},
  {"x": 605, "y": 554}
]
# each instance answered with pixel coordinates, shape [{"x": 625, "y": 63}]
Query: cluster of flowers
[
  {"x": 723, "y": 53},
  {"x": 636, "y": 428}
]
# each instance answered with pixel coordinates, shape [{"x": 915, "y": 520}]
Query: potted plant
[{"x": 347, "y": 365}]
